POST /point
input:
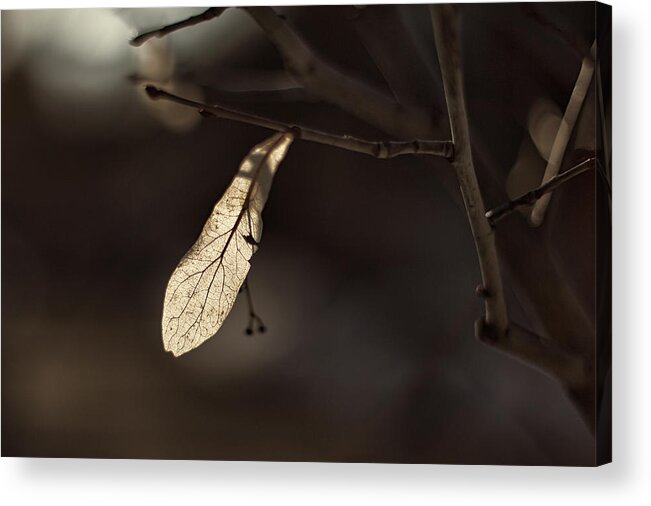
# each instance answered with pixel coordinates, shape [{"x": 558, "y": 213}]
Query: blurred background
[{"x": 365, "y": 276}]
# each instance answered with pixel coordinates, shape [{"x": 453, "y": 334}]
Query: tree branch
[
  {"x": 565, "y": 132},
  {"x": 377, "y": 149},
  {"x": 446, "y": 31},
  {"x": 336, "y": 87},
  {"x": 206, "y": 15},
  {"x": 494, "y": 329},
  {"x": 499, "y": 212},
  {"x": 573, "y": 371},
  {"x": 543, "y": 354}
]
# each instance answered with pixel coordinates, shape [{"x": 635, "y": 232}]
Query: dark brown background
[{"x": 365, "y": 277}]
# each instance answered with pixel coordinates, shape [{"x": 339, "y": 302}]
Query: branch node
[
  {"x": 384, "y": 149},
  {"x": 295, "y": 131},
  {"x": 449, "y": 151},
  {"x": 485, "y": 332}
]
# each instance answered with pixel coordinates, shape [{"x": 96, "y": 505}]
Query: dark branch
[
  {"x": 448, "y": 47},
  {"x": 544, "y": 354},
  {"x": 377, "y": 149},
  {"x": 328, "y": 82},
  {"x": 206, "y": 15},
  {"x": 564, "y": 132},
  {"x": 499, "y": 212}
]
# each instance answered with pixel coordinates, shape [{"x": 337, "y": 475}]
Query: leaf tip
[{"x": 175, "y": 351}]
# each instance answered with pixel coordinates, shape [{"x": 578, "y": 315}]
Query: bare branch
[
  {"x": 565, "y": 132},
  {"x": 446, "y": 30},
  {"x": 573, "y": 371},
  {"x": 206, "y": 15},
  {"x": 336, "y": 87},
  {"x": 377, "y": 149},
  {"x": 543, "y": 354},
  {"x": 499, "y": 212}
]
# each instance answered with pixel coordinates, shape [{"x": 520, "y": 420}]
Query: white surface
[{"x": 626, "y": 482}]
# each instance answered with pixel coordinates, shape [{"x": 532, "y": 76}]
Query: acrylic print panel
[{"x": 314, "y": 233}]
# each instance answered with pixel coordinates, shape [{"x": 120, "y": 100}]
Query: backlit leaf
[{"x": 205, "y": 284}]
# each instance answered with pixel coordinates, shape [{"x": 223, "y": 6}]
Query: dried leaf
[{"x": 205, "y": 284}]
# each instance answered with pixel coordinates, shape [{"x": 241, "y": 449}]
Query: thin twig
[
  {"x": 564, "y": 133},
  {"x": 323, "y": 80},
  {"x": 377, "y": 149},
  {"x": 499, "y": 212},
  {"x": 334, "y": 86},
  {"x": 206, "y": 15},
  {"x": 446, "y": 31}
]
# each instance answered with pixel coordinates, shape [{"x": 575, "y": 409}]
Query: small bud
[
  {"x": 248, "y": 331},
  {"x": 152, "y": 91},
  {"x": 481, "y": 291},
  {"x": 262, "y": 329}
]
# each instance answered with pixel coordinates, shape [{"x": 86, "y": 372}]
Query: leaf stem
[
  {"x": 377, "y": 149},
  {"x": 253, "y": 316}
]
